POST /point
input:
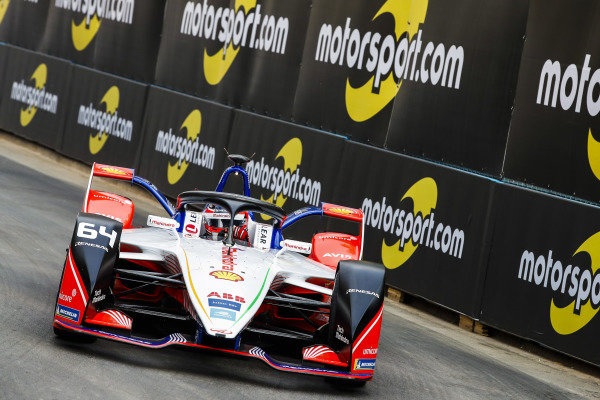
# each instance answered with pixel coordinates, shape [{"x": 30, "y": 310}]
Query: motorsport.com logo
[
  {"x": 253, "y": 30},
  {"x": 34, "y": 97},
  {"x": 110, "y": 10},
  {"x": 105, "y": 123},
  {"x": 284, "y": 183},
  {"x": 183, "y": 149},
  {"x": 580, "y": 284},
  {"x": 410, "y": 227},
  {"x": 384, "y": 55}
]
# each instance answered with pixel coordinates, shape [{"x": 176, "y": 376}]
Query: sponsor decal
[
  {"x": 235, "y": 28},
  {"x": 338, "y": 255},
  {"x": 362, "y": 292},
  {"x": 262, "y": 237},
  {"x": 232, "y": 305},
  {"x": 222, "y": 331},
  {"x": 371, "y": 352},
  {"x": 98, "y": 296},
  {"x": 92, "y": 13},
  {"x": 362, "y": 363},
  {"x": 34, "y": 97},
  {"x": 228, "y": 258},
  {"x": 67, "y": 313},
  {"x": 339, "y": 335},
  {"x": 226, "y": 275},
  {"x": 413, "y": 228},
  {"x": 222, "y": 314},
  {"x": 347, "y": 238},
  {"x": 64, "y": 297},
  {"x": 287, "y": 182},
  {"x": 191, "y": 224},
  {"x": 97, "y": 246},
  {"x": 581, "y": 284},
  {"x": 186, "y": 149},
  {"x": 162, "y": 222},
  {"x": 297, "y": 246},
  {"x": 114, "y": 170},
  {"x": 105, "y": 123},
  {"x": 227, "y": 296},
  {"x": 400, "y": 55},
  {"x": 339, "y": 210}
]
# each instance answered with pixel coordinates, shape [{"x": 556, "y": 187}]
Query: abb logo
[{"x": 227, "y": 296}]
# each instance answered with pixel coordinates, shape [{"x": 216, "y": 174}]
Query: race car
[{"x": 218, "y": 272}]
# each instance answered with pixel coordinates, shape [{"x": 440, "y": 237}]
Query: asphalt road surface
[{"x": 420, "y": 356}]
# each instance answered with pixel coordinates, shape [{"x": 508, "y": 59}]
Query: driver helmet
[{"x": 216, "y": 221}]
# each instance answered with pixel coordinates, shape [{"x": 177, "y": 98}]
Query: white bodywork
[{"x": 237, "y": 277}]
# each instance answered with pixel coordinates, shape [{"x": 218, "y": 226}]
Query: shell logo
[
  {"x": 112, "y": 170},
  {"x": 339, "y": 210},
  {"x": 226, "y": 275}
]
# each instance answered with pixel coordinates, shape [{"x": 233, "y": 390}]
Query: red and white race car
[{"x": 210, "y": 275}]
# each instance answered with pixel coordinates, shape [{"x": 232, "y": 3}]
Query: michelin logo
[{"x": 68, "y": 313}]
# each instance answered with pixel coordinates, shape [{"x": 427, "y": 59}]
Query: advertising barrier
[
  {"x": 451, "y": 66},
  {"x": 337, "y": 87},
  {"x": 184, "y": 141},
  {"x": 35, "y": 95},
  {"x": 426, "y": 223},
  {"x": 542, "y": 279},
  {"x": 554, "y": 139},
  {"x": 292, "y": 166},
  {"x": 104, "y": 118},
  {"x": 22, "y": 22},
  {"x": 119, "y": 36},
  {"x": 455, "y": 102},
  {"x": 245, "y": 54}
]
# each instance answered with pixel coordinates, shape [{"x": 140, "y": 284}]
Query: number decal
[
  {"x": 88, "y": 231},
  {"x": 112, "y": 236}
]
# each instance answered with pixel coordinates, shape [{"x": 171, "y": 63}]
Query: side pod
[
  {"x": 88, "y": 269},
  {"x": 356, "y": 313}
]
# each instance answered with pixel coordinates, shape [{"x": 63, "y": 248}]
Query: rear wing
[{"x": 125, "y": 174}]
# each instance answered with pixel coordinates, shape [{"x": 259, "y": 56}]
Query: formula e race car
[{"x": 211, "y": 276}]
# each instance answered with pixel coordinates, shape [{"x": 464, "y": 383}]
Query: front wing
[{"x": 244, "y": 350}]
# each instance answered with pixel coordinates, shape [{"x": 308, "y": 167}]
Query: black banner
[
  {"x": 184, "y": 141},
  {"x": 35, "y": 95},
  {"x": 22, "y": 22},
  {"x": 425, "y": 223},
  {"x": 542, "y": 280},
  {"x": 555, "y": 133},
  {"x": 335, "y": 91},
  {"x": 455, "y": 103},
  {"x": 257, "y": 69},
  {"x": 120, "y": 37},
  {"x": 104, "y": 118},
  {"x": 292, "y": 167}
]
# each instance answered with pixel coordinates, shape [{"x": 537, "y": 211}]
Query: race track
[{"x": 420, "y": 356}]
